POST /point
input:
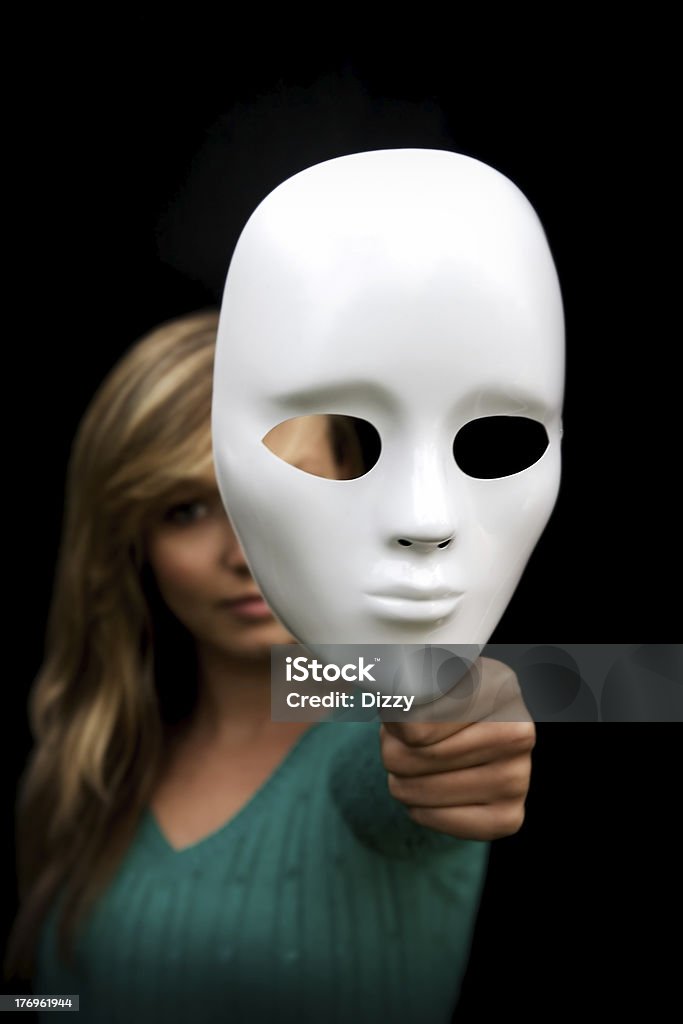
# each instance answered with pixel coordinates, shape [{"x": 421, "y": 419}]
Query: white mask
[{"x": 413, "y": 289}]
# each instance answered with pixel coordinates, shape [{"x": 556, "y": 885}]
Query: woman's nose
[{"x": 231, "y": 554}]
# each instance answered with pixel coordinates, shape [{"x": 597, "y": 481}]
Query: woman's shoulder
[
  {"x": 338, "y": 741},
  {"x": 358, "y": 787}
]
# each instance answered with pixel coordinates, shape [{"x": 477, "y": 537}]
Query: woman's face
[
  {"x": 199, "y": 566},
  {"x": 204, "y": 579}
]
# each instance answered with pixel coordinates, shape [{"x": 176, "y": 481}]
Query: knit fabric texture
[{"x": 319, "y": 901}]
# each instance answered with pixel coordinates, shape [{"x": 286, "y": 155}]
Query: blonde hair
[{"x": 97, "y": 710}]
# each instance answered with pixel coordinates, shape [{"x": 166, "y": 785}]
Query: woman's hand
[{"x": 466, "y": 778}]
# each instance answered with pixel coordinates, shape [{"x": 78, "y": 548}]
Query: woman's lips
[{"x": 248, "y": 607}]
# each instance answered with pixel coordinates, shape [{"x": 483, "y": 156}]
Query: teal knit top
[{"x": 320, "y": 901}]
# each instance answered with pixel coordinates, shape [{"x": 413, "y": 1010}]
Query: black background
[{"x": 137, "y": 154}]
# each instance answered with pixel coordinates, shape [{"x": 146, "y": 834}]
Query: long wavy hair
[{"x": 103, "y": 698}]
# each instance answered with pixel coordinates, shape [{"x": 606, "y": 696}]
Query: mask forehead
[{"x": 366, "y": 266}]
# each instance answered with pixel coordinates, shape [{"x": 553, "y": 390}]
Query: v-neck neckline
[{"x": 162, "y": 843}]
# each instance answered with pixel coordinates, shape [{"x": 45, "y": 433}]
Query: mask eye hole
[
  {"x": 327, "y": 445},
  {"x": 496, "y": 446}
]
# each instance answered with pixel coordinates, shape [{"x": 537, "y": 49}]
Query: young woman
[{"x": 179, "y": 853}]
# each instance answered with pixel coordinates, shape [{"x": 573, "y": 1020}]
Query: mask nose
[
  {"x": 423, "y": 502},
  {"x": 425, "y": 544}
]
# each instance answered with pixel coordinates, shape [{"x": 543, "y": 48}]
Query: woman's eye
[
  {"x": 327, "y": 445},
  {"x": 497, "y": 446},
  {"x": 187, "y": 512}
]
